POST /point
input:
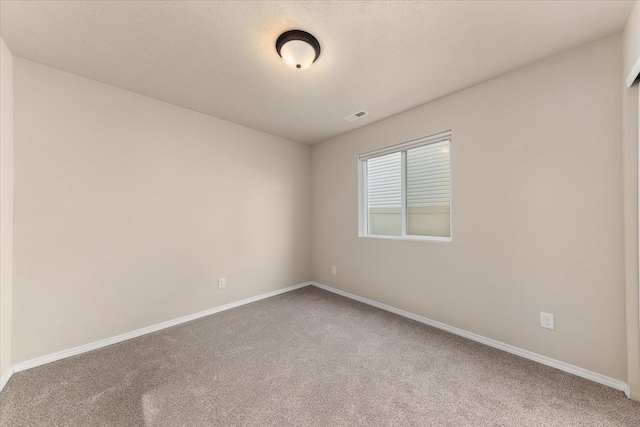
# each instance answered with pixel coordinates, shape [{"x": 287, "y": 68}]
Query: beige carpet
[{"x": 306, "y": 358}]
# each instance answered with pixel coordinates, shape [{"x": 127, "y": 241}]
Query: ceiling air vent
[{"x": 356, "y": 115}]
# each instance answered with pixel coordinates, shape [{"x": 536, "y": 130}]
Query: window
[{"x": 405, "y": 190}]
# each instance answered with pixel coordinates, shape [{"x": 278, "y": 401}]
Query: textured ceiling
[{"x": 219, "y": 58}]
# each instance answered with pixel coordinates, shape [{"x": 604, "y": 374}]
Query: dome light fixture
[{"x": 298, "y": 49}]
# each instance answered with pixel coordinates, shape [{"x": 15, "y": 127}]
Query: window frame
[{"x": 363, "y": 211}]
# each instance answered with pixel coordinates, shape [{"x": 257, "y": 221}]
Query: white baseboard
[
  {"x": 593, "y": 376},
  {"x": 575, "y": 370},
  {"x": 5, "y": 377},
  {"x": 133, "y": 334}
]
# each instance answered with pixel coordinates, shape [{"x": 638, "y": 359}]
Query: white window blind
[
  {"x": 384, "y": 181},
  {"x": 428, "y": 180}
]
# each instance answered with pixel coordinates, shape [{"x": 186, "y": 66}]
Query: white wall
[
  {"x": 6, "y": 204},
  {"x": 128, "y": 209},
  {"x": 631, "y": 48},
  {"x": 632, "y": 43},
  {"x": 537, "y": 212},
  {"x": 630, "y": 157}
]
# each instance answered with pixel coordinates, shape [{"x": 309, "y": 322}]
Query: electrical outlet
[
  {"x": 222, "y": 282},
  {"x": 333, "y": 269},
  {"x": 546, "y": 320}
]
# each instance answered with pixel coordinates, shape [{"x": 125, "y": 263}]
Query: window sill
[{"x": 414, "y": 238}]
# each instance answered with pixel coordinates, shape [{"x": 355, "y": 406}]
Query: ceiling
[{"x": 219, "y": 58}]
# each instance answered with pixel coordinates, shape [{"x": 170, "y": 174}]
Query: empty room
[{"x": 319, "y": 213}]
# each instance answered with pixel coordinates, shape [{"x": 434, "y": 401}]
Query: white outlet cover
[
  {"x": 221, "y": 282},
  {"x": 333, "y": 270},
  {"x": 546, "y": 320}
]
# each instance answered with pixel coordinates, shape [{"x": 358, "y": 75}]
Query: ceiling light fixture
[{"x": 298, "y": 49}]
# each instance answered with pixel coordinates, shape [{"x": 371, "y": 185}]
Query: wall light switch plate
[
  {"x": 546, "y": 320},
  {"x": 333, "y": 269},
  {"x": 221, "y": 282}
]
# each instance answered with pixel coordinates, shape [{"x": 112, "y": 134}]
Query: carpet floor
[{"x": 306, "y": 358}]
